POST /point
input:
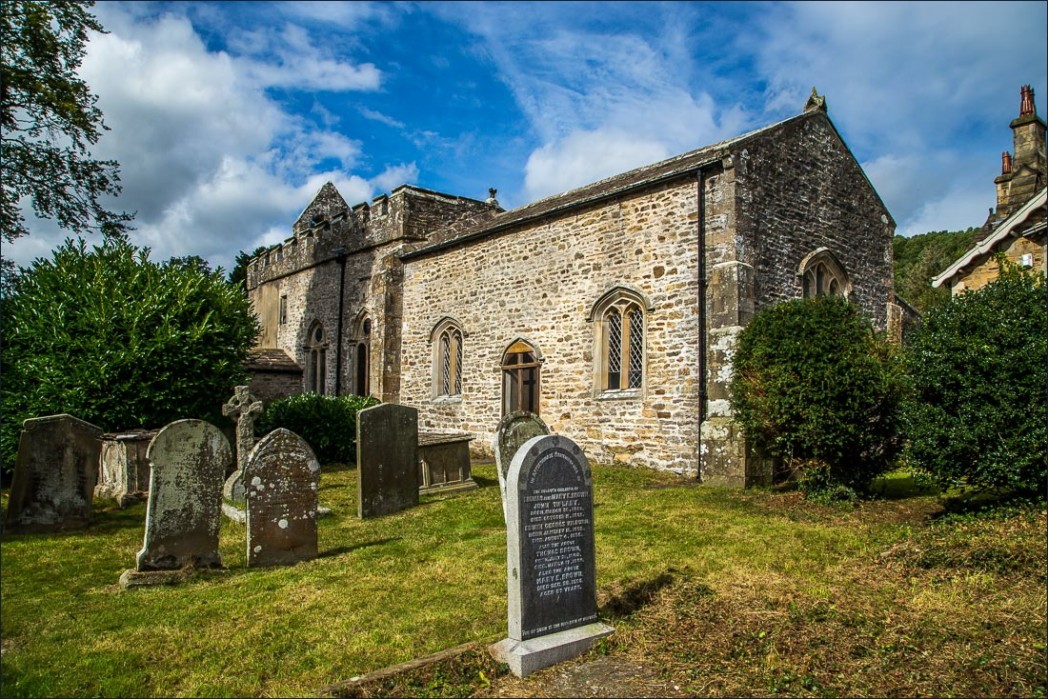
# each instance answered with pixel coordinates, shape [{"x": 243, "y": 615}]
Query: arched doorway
[{"x": 520, "y": 378}]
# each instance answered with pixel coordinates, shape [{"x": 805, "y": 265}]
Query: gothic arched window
[
  {"x": 447, "y": 358},
  {"x": 619, "y": 319},
  {"x": 316, "y": 359},
  {"x": 822, "y": 275}
]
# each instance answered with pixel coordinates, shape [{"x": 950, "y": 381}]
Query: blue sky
[{"x": 227, "y": 117}]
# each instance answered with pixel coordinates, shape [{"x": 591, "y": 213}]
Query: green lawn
[{"x": 387, "y": 590}]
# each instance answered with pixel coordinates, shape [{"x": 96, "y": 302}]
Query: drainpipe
[
  {"x": 701, "y": 206},
  {"x": 340, "y": 252}
]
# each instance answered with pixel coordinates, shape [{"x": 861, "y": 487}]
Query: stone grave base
[
  {"x": 239, "y": 515},
  {"x": 526, "y": 657},
  {"x": 455, "y": 487},
  {"x": 147, "y": 578}
]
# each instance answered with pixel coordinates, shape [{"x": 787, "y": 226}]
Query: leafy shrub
[
  {"x": 813, "y": 385},
  {"x": 978, "y": 368},
  {"x": 327, "y": 423},
  {"x": 110, "y": 337}
]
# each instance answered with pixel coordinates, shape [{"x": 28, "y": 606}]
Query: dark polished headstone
[
  {"x": 551, "y": 571},
  {"x": 387, "y": 460},
  {"x": 281, "y": 478}
]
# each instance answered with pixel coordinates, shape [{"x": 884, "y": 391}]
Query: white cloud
[
  {"x": 587, "y": 156},
  {"x": 396, "y": 175},
  {"x": 208, "y": 161}
]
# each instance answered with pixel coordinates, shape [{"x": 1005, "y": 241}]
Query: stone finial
[
  {"x": 491, "y": 200},
  {"x": 1026, "y": 104},
  {"x": 1006, "y": 163},
  {"x": 815, "y": 102}
]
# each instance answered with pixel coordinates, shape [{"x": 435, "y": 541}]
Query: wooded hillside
[{"x": 921, "y": 257}]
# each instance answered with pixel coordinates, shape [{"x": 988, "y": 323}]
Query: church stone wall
[
  {"x": 539, "y": 283},
  {"x": 306, "y": 269},
  {"x": 803, "y": 191}
]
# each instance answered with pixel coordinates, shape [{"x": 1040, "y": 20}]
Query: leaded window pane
[
  {"x": 445, "y": 361},
  {"x": 614, "y": 325},
  {"x": 458, "y": 363},
  {"x": 636, "y": 357}
]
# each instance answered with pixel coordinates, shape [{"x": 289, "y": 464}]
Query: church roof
[
  {"x": 1005, "y": 230},
  {"x": 271, "y": 359},
  {"x": 612, "y": 186}
]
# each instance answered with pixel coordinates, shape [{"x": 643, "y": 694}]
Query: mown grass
[{"x": 725, "y": 592}]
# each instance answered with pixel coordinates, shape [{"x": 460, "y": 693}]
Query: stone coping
[{"x": 426, "y": 439}]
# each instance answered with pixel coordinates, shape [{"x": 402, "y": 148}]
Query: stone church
[{"x": 611, "y": 310}]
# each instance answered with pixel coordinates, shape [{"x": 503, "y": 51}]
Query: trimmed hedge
[
  {"x": 814, "y": 386},
  {"x": 120, "y": 341},
  {"x": 327, "y": 423},
  {"x": 978, "y": 365}
]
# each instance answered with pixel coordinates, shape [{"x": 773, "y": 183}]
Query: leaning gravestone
[
  {"x": 55, "y": 474},
  {"x": 281, "y": 476},
  {"x": 551, "y": 572},
  {"x": 513, "y": 430},
  {"x": 183, "y": 513},
  {"x": 387, "y": 459},
  {"x": 244, "y": 408}
]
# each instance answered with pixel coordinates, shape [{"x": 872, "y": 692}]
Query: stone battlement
[{"x": 329, "y": 228}]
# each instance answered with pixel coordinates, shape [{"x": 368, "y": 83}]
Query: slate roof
[
  {"x": 608, "y": 187},
  {"x": 1006, "y": 229},
  {"x": 272, "y": 360}
]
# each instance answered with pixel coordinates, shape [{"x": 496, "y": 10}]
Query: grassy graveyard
[{"x": 722, "y": 592}]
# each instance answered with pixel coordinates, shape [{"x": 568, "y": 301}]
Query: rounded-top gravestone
[{"x": 188, "y": 460}]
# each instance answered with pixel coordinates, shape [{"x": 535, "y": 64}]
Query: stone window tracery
[
  {"x": 823, "y": 275},
  {"x": 447, "y": 359},
  {"x": 619, "y": 319}
]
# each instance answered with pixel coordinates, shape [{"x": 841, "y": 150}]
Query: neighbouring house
[
  {"x": 612, "y": 310},
  {"x": 1016, "y": 228}
]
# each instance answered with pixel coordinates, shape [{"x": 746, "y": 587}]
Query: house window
[
  {"x": 823, "y": 275},
  {"x": 316, "y": 359},
  {"x": 447, "y": 359},
  {"x": 619, "y": 319},
  {"x": 283, "y": 309}
]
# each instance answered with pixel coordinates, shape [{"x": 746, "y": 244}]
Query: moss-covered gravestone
[{"x": 188, "y": 460}]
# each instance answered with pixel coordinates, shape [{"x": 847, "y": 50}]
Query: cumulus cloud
[
  {"x": 587, "y": 156},
  {"x": 209, "y": 162}
]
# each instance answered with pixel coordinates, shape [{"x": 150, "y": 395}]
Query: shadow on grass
[
  {"x": 636, "y": 595},
  {"x": 338, "y": 551},
  {"x": 483, "y": 482},
  {"x": 989, "y": 504},
  {"x": 901, "y": 485}
]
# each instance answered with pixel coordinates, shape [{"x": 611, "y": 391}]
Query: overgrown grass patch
[{"x": 723, "y": 591}]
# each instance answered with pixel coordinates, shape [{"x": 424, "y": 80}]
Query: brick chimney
[{"x": 1024, "y": 173}]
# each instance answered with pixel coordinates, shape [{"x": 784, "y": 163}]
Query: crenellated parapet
[{"x": 329, "y": 228}]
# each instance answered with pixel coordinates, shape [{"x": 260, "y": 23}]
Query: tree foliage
[
  {"x": 238, "y": 275},
  {"x": 978, "y": 371},
  {"x": 920, "y": 258},
  {"x": 327, "y": 423},
  {"x": 49, "y": 120},
  {"x": 113, "y": 338},
  {"x": 813, "y": 385}
]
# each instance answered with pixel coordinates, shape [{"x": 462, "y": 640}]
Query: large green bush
[
  {"x": 978, "y": 368},
  {"x": 327, "y": 423},
  {"x": 815, "y": 387},
  {"x": 113, "y": 338}
]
